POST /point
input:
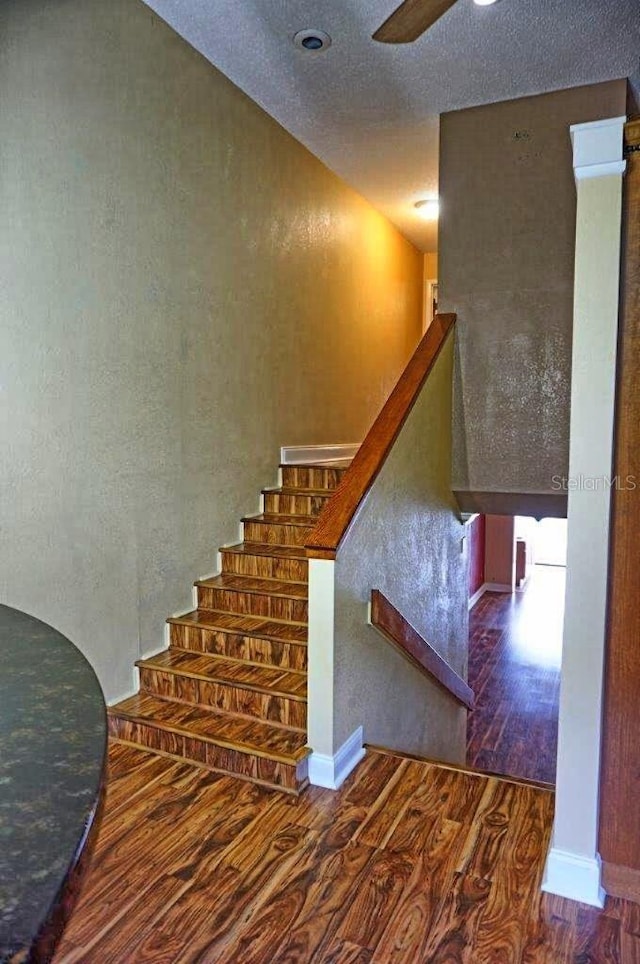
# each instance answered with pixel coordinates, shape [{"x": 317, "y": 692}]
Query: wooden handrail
[
  {"x": 402, "y": 634},
  {"x": 337, "y": 515}
]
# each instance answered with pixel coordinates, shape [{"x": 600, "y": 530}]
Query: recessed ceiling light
[
  {"x": 312, "y": 40},
  {"x": 484, "y": 3},
  {"x": 428, "y": 209}
]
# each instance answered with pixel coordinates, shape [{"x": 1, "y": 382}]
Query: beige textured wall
[
  {"x": 185, "y": 289},
  {"x": 506, "y": 253},
  {"x": 406, "y": 541}
]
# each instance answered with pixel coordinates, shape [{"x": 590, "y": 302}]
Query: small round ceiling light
[
  {"x": 428, "y": 209},
  {"x": 312, "y": 40},
  {"x": 484, "y": 3}
]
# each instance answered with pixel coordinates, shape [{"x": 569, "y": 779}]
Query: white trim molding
[
  {"x": 150, "y": 653},
  {"x": 600, "y": 170},
  {"x": 331, "y": 771},
  {"x": 598, "y": 148},
  {"x": 573, "y": 876},
  {"x": 135, "y": 687},
  {"x": 489, "y": 587},
  {"x": 477, "y": 596},
  {"x": 123, "y": 696},
  {"x": 468, "y": 517},
  {"x": 430, "y": 295},
  {"x": 185, "y": 612},
  {"x": 309, "y": 454},
  {"x": 573, "y": 866}
]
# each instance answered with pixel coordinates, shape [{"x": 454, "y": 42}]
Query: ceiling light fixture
[
  {"x": 428, "y": 209},
  {"x": 312, "y": 40},
  {"x": 484, "y": 3}
]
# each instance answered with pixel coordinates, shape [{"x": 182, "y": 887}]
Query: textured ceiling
[{"x": 370, "y": 111}]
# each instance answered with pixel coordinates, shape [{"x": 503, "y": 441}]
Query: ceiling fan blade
[{"x": 410, "y": 20}]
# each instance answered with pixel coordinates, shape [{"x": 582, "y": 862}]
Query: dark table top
[{"x": 52, "y": 758}]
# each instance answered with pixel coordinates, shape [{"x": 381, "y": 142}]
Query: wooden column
[{"x": 619, "y": 842}]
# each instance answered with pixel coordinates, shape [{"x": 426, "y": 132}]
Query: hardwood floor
[
  {"x": 408, "y": 862},
  {"x": 515, "y": 647}
]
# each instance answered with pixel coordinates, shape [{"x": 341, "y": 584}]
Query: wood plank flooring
[
  {"x": 408, "y": 862},
  {"x": 515, "y": 647}
]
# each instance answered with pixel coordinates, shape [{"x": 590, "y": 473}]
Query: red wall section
[{"x": 476, "y": 535}]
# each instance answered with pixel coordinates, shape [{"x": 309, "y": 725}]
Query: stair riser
[
  {"x": 254, "y": 604},
  {"x": 280, "y": 776},
  {"x": 276, "y": 535},
  {"x": 310, "y": 477},
  {"x": 251, "y": 648},
  {"x": 288, "y": 504},
  {"x": 265, "y": 567},
  {"x": 224, "y": 696}
]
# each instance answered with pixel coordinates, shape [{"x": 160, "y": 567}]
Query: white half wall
[
  {"x": 321, "y": 657},
  {"x": 573, "y": 864}
]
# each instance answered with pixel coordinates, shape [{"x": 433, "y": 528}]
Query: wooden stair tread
[
  {"x": 243, "y": 625},
  {"x": 277, "y": 519},
  {"x": 237, "y": 604},
  {"x": 252, "y": 584},
  {"x": 213, "y": 726},
  {"x": 230, "y": 693},
  {"x": 220, "y": 669},
  {"x": 265, "y": 549}
]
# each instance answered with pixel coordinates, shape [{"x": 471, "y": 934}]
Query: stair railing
[
  {"x": 394, "y": 627},
  {"x": 337, "y": 515}
]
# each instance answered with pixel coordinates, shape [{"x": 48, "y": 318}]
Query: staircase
[{"x": 230, "y": 693}]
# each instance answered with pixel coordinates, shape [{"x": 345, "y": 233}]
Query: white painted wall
[{"x": 573, "y": 866}]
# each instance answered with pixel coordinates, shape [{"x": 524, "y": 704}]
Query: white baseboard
[
  {"x": 154, "y": 652},
  {"x": 308, "y": 454},
  {"x": 573, "y": 876},
  {"x": 332, "y": 771},
  {"x": 135, "y": 677},
  {"x": 477, "y": 595},
  {"x": 489, "y": 587},
  {"x": 121, "y": 698},
  {"x": 185, "y": 612},
  {"x": 205, "y": 575}
]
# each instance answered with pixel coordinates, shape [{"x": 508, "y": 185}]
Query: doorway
[{"x": 515, "y": 649}]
